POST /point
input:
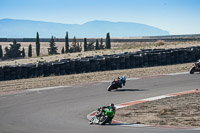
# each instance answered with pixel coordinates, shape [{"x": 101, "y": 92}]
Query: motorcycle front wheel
[
  {"x": 192, "y": 70},
  {"x": 104, "y": 120},
  {"x": 110, "y": 88}
]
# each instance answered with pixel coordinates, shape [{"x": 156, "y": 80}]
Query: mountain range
[{"x": 13, "y": 28}]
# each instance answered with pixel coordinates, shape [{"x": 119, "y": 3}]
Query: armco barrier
[{"x": 143, "y": 58}]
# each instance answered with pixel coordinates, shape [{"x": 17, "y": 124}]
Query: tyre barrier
[{"x": 142, "y": 58}]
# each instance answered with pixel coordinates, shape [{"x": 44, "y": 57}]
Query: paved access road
[{"x": 64, "y": 109}]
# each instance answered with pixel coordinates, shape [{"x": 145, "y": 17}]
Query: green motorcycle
[{"x": 102, "y": 116}]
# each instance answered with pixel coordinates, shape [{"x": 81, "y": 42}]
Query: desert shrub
[{"x": 159, "y": 43}]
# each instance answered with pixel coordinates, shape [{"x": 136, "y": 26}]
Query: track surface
[{"x": 64, "y": 109}]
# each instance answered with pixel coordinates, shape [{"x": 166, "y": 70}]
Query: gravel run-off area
[{"x": 180, "y": 111}]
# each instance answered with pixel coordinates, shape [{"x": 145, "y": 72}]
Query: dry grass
[
  {"x": 116, "y": 48},
  {"x": 182, "y": 111},
  {"x": 41, "y": 82}
]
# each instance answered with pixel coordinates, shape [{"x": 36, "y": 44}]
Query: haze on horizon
[{"x": 175, "y": 16}]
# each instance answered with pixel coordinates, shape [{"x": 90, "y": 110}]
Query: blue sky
[{"x": 175, "y": 16}]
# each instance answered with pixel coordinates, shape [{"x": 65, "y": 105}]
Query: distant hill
[{"x": 12, "y": 28}]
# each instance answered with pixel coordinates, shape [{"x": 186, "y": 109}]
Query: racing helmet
[
  {"x": 112, "y": 105},
  {"x": 124, "y": 77}
]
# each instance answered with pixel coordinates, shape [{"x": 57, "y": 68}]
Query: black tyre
[
  {"x": 104, "y": 120},
  {"x": 192, "y": 70},
  {"x": 110, "y": 88}
]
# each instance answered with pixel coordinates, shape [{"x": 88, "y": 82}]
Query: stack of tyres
[
  {"x": 181, "y": 55},
  {"x": 97, "y": 64},
  {"x": 155, "y": 59},
  {"x": 132, "y": 60},
  {"x": 62, "y": 68},
  {"x": 87, "y": 61},
  {"x": 56, "y": 66},
  {"x": 122, "y": 61},
  {"x": 13, "y": 72},
  {"x": 163, "y": 58},
  {"x": 150, "y": 59},
  {"x": 112, "y": 63},
  {"x": 51, "y": 69},
  {"x": 176, "y": 56},
  {"x": 87, "y": 65},
  {"x": 46, "y": 69},
  {"x": 107, "y": 60},
  {"x": 117, "y": 62},
  {"x": 77, "y": 66},
  {"x": 145, "y": 59},
  {"x": 172, "y": 57},
  {"x": 102, "y": 62},
  {"x": 72, "y": 66},
  {"x": 30, "y": 68},
  {"x": 187, "y": 55},
  {"x": 198, "y": 55},
  {"x": 141, "y": 60},
  {"x": 7, "y": 73},
  {"x": 1, "y": 74},
  {"x": 40, "y": 70},
  {"x": 127, "y": 61},
  {"x": 168, "y": 59},
  {"x": 194, "y": 52},
  {"x": 83, "y": 64},
  {"x": 18, "y": 70},
  {"x": 24, "y": 70},
  {"x": 137, "y": 60},
  {"x": 159, "y": 59},
  {"x": 35, "y": 70},
  {"x": 67, "y": 67},
  {"x": 92, "y": 65}
]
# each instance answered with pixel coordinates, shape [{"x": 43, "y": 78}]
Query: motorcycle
[
  {"x": 117, "y": 83},
  {"x": 195, "y": 68},
  {"x": 102, "y": 116}
]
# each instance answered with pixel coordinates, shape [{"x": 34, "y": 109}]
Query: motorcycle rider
[
  {"x": 113, "y": 108},
  {"x": 100, "y": 110},
  {"x": 121, "y": 80},
  {"x": 198, "y": 63},
  {"x": 124, "y": 80}
]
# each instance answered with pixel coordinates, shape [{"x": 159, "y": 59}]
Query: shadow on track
[{"x": 120, "y": 90}]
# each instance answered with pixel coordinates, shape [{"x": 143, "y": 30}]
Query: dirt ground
[
  {"x": 22, "y": 84},
  {"x": 181, "y": 111}
]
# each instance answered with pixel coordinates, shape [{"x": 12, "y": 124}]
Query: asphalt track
[{"x": 64, "y": 109}]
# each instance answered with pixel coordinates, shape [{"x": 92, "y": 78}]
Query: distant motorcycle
[
  {"x": 195, "y": 68},
  {"x": 117, "y": 83},
  {"x": 102, "y": 116}
]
